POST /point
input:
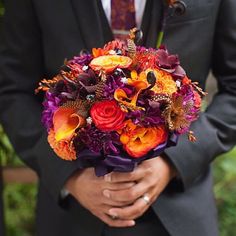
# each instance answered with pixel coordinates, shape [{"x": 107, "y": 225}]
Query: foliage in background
[
  {"x": 19, "y": 199},
  {"x": 225, "y": 192}
]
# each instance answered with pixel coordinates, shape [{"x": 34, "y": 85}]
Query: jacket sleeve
[
  {"x": 216, "y": 128},
  {"x": 21, "y": 68}
]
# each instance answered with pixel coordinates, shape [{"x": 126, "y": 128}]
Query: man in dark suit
[{"x": 38, "y": 36}]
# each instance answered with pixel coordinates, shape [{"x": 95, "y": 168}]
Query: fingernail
[
  {"x": 132, "y": 223},
  {"x": 107, "y": 178},
  {"x": 106, "y": 193}
]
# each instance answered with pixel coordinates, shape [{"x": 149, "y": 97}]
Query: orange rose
[
  {"x": 109, "y": 63},
  {"x": 138, "y": 141},
  {"x": 107, "y": 115}
]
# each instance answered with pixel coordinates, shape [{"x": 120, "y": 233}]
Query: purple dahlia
[{"x": 50, "y": 104}]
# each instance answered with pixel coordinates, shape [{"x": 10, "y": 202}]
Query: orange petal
[
  {"x": 110, "y": 62},
  {"x": 134, "y": 75},
  {"x": 97, "y": 52},
  {"x": 165, "y": 83},
  {"x": 124, "y": 138},
  {"x": 65, "y": 122},
  {"x": 139, "y": 86},
  {"x": 142, "y": 140},
  {"x": 63, "y": 149},
  {"x": 120, "y": 95}
]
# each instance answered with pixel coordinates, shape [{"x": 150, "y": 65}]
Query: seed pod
[
  {"x": 138, "y": 36},
  {"x": 151, "y": 78},
  {"x": 131, "y": 48}
]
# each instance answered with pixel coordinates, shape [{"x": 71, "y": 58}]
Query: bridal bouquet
[{"x": 118, "y": 105}]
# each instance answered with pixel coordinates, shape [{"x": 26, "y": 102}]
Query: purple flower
[
  {"x": 51, "y": 104},
  {"x": 151, "y": 117},
  {"x": 82, "y": 60},
  {"x": 170, "y": 63},
  {"x": 167, "y": 61},
  {"x": 179, "y": 72},
  {"x": 98, "y": 141},
  {"x": 115, "y": 82}
]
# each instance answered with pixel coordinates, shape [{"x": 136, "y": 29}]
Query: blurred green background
[{"x": 20, "y": 199}]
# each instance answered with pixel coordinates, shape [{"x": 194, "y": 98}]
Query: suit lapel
[
  {"x": 95, "y": 29},
  {"x": 91, "y": 22},
  {"x": 151, "y": 22}
]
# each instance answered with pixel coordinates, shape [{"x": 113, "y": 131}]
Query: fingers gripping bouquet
[{"x": 118, "y": 106}]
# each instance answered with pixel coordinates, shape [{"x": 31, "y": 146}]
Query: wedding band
[
  {"x": 113, "y": 217},
  {"x": 146, "y": 199}
]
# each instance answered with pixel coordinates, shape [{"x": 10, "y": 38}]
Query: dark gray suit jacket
[{"x": 40, "y": 34}]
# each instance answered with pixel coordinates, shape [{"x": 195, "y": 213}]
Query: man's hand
[
  {"x": 151, "y": 177},
  {"x": 88, "y": 189}
]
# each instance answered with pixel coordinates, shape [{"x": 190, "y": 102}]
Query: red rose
[{"x": 107, "y": 115}]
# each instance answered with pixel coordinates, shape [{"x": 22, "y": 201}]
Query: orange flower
[
  {"x": 130, "y": 102},
  {"x": 65, "y": 122},
  {"x": 186, "y": 80},
  {"x": 164, "y": 84},
  {"x": 197, "y": 100},
  {"x": 109, "y": 48},
  {"x": 97, "y": 52},
  {"x": 138, "y": 141},
  {"x": 109, "y": 63},
  {"x": 64, "y": 148}
]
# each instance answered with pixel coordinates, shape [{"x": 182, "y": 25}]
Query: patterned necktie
[{"x": 122, "y": 18}]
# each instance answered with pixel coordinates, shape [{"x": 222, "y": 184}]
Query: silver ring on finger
[
  {"x": 146, "y": 199},
  {"x": 113, "y": 217}
]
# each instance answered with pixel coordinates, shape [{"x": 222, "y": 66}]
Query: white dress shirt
[{"x": 139, "y": 10}]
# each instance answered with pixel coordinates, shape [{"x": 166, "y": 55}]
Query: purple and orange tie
[{"x": 122, "y": 18}]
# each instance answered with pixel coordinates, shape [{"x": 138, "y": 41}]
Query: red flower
[{"x": 107, "y": 115}]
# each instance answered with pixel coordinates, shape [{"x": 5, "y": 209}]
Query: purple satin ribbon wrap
[{"x": 120, "y": 163}]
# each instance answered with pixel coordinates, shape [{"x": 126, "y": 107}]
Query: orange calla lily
[
  {"x": 138, "y": 141},
  {"x": 110, "y": 62},
  {"x": 66, "y": 121},
  {"x": 130, "y": 102}
]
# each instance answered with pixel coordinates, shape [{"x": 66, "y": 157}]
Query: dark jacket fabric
[
  {"x": 39, "y": 35},
  {"x": 1, "y": 180}
]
